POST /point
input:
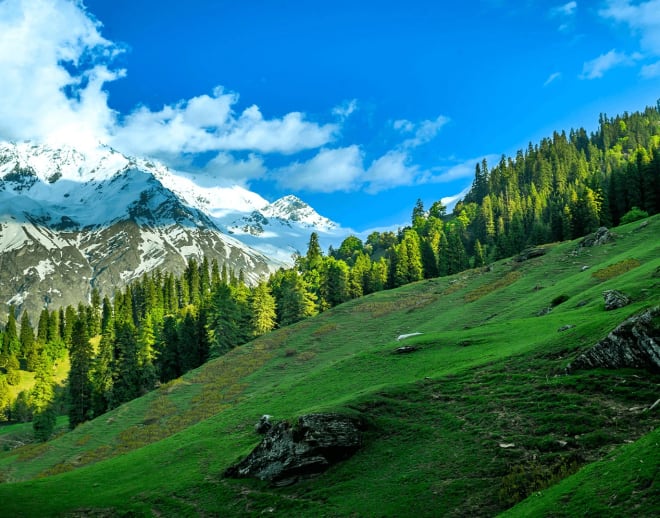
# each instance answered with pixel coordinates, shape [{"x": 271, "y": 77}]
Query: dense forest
[{"x": 161, "y": 326}]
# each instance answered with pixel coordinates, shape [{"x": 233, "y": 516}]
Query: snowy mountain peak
[
  {"x": 293, "y": 209},
  {"x": 74, "y": 219}
]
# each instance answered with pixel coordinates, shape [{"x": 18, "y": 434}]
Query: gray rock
[
  {"x": 565, "y": 328},
  {"x": 614, "y": 299},
  {"x": 600, "y": 237},
  {"x": 287, "y": 452},
  {"x": 263, "y": 425},
  {"x": 544, "y": 312},
  {"x": 530, "y": 253},
  {"x": 634, "y": 343}
]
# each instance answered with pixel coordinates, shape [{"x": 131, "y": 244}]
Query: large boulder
[
  {"x": 634, "y": 343},
  {"x": 614, "y": 299},
  {"x": 309, "y": 447},
  {"x": 600, "y": 237}
]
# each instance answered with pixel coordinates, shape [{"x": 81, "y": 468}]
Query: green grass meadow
[{"x": 480, "y": 420}]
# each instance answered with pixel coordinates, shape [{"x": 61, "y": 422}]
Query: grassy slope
[{"x": 488, "y": 372}]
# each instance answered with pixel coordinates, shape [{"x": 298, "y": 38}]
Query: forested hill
[{"x": 565, "y": 186}]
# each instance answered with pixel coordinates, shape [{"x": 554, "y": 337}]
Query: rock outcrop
[
  {"x": 600, "y": 237},
  {"x": 530, "y": 253},
  {"x": 311, "y": 446},
  {"x": 614, "y": 299},
  {"x": 634, "y": 343}
]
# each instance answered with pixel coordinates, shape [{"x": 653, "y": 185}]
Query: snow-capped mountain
[
  {"x": 71, "y": 221},
  {"x": 282, "y": 228}
]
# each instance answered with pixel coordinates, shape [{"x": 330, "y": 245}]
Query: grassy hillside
[{"x": 478, "y": 418}]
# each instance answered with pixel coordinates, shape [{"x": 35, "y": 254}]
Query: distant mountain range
[{"x": 71, "y": 221}]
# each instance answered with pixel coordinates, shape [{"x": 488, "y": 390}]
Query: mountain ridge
[{"x": 113, "y": 218}]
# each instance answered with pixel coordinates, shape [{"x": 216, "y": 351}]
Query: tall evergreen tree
[
  {"x": 80, "y": 383},
  {"x": 262, "y": 306},
  {"x": 223, "y": 332},
  {"x": 42, "y": 399}
]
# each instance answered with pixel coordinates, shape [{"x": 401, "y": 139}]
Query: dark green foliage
[
  {"x": 560, "y": 299},
  {"x": 80, "y": 382},
  {"x": 42, "y": 399},
  {"x": 5, "y": 398},
  {"x": 634, "y": 214},
  {"x": 222, "y": 325}
]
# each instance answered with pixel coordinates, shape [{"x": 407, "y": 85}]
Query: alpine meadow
[{"x": 214, "y": 308}]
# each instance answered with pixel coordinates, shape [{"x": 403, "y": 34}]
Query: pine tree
[
  {"x": 41, "y": 399},
  {"x": 221, "y": 326},
  {"x": 28, "y": 345},
  {"x": 80, "y": 383},
  {"x": 126, "y": 379},
  {"x": 10, "y": 336},
  {"x": 334, "y": 288},
  {"x": 5, "y": 398},
  {"x": 262, "y": 306},
  {"x": 479, "y": 257},
  {"x": 102, "y": 373},
  {"x": 314, "y": 256}
]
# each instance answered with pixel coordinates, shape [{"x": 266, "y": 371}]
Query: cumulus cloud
[
  {"x": 597, "y": 67},
  {"x": 41, "y": 43},
  {"x": 56, "y": 64},
  {"x": 393, "y": 169},
  {"x": 225, "y": 167},
  {"x": 208, "y": 123},
  {"x": 331, "y": 170},
  {"x": 343, "y": 169}
]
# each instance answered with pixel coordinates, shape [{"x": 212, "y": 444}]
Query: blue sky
[{"x": 359, "y": 108}]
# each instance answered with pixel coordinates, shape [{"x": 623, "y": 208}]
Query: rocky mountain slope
[{"x": 72, "y": 221}]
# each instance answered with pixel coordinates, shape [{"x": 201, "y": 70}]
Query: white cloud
[
  {"x": 55, "y": 64},
  {"x": 345, "y": 109},
  {"x": 343, "y": 169},
  {"x": 643, "y": 19},
  {"x": 552, "y": 77},
  {"x": 390, "y": 170},
  {"x": 403, "y": 125},
  {"x": 566, "y": 13},
  {"x": 567, "y": 9},
  {"x": 331, "y": 170},
  {"x": 425, "y": 131},
  {"x": 650, "y": 70},
  {"x": 40, "y": 41},
  {"x": 597, "y": 67},
  {"x": 225, "y": 167}
]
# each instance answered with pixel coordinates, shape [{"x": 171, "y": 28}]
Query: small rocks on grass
[
  {"x": 405, "y": 349},
  {"x": 544, "y": 312},
  {"x": 507, "y": 445},
  {"x": 585, "y": 267},
  {"x": 565, "y": 328}
]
